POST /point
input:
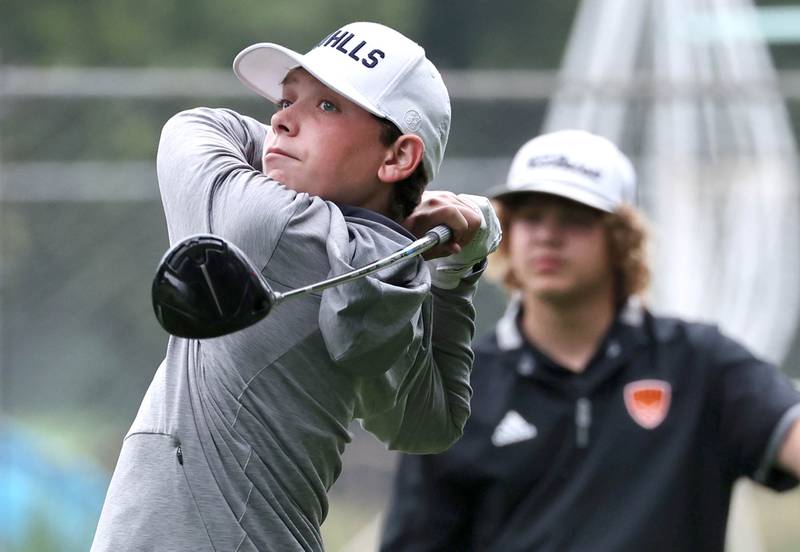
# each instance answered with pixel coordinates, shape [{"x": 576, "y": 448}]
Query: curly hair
[
  {"x": 627, "y": 234},
  {"x": 627, "y": 237},
  {"x": 407, "y": 193}
]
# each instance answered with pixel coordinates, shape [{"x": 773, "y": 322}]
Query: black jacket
[{"x": 638, "y": 452}]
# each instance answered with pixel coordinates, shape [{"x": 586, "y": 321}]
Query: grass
[{"x": 778, "y": 518}]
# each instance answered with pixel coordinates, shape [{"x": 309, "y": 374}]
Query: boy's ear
[{"x": 402, "y": 158}]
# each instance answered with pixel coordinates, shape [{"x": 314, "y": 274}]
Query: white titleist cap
[
  {"x": 373, "y": 66},
  {"x": 574, "y": 164}
]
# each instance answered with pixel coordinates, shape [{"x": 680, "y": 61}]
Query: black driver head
[{"x": 207, "y": 287}]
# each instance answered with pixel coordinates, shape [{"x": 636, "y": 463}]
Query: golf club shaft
[{"x": 435, "y": 236}]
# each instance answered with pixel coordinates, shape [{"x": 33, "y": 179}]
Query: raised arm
[
  {"x": 422, "y": 402},
  {"x": 759, "y": 416},
  {"x": 210, "y": 181}
]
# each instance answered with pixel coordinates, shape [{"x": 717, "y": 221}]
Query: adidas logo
[{"x": 513, "y": 428}]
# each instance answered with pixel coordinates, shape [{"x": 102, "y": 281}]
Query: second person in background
[{"x": 596, "y": 426}]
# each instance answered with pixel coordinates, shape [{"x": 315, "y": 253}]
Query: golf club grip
[
  {"x": 434, "y": 236},
  {"x": 442, "y": 232}
]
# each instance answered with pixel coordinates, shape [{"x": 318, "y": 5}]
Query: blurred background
[{"x": 704, "y": 96}]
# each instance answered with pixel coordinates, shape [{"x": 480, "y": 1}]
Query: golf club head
[{"x": 206, "y": 287}]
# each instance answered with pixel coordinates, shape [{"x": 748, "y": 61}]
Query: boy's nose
[
  {"x": 284, "y": 122},
  {"x": 548, "y": 229}
]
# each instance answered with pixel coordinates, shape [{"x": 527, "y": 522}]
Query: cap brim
[
  {"x": 504, "y": 193},
  {"x": 263, "y": 67}
]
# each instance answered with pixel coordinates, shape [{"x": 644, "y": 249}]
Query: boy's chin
[
  {"x": 280, "y": 176},
  {"x": 554, "y": 294},
  {"x": 292, "y": 183}
]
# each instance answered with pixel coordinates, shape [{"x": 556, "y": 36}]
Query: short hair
[
  {"x": 407, "y": 193},
  {"x": 627, "y": 237}
]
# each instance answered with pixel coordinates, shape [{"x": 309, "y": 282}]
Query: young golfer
[
  {"x": 596, "y": 425},
  {"x": 239, "y": 438}
]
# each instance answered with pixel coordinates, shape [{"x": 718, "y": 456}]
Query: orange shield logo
[{"x": 648, "y": 401}]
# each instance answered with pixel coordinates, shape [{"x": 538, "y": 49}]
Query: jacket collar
[
  {"x": 374, "y": 216},
  {"x": 508, "y": 332}
]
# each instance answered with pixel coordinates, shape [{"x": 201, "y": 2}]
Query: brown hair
[
  {"x": 626, "y": 235},
  {"x": 407, "y": 193}
]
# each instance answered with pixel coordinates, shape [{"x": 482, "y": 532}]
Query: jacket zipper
[{"x": 583, "y": 421}]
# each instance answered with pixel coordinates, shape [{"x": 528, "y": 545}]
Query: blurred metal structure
[
  {"x": 695, "y": 101},
  {"x": 700, "y": 111}
]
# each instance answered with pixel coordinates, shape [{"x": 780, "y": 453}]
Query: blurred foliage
[
  {"x": 61, "y": 129},
  {"x": 463, "y": 34},
  {"x": 205, "y": 33},
  {"x": 188, "y": 33},
  {"x": 83, "y": 339}
]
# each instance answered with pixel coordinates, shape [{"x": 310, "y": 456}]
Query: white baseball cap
[
  {"x": 372, "y": 65},
  {"x": 574, "y": 164}
]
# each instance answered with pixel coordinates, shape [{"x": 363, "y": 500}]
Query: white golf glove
[{"x": 447, "y": 272}]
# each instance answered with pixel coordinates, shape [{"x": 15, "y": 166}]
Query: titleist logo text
[{"x": 562, "y": 161}]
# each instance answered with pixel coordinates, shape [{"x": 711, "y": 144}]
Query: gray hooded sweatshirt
[{"x": 239, "y": 438}]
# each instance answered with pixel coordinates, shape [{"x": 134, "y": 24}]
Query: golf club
[{"x": 206, "y": 286}]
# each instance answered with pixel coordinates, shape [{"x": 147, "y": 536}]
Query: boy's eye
[
  {"x": 325, "y": 105},
  {"x": 531, "y": 215},
  {"x": 581, "y": 218},
  {"x": 283, "y": 103}
]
